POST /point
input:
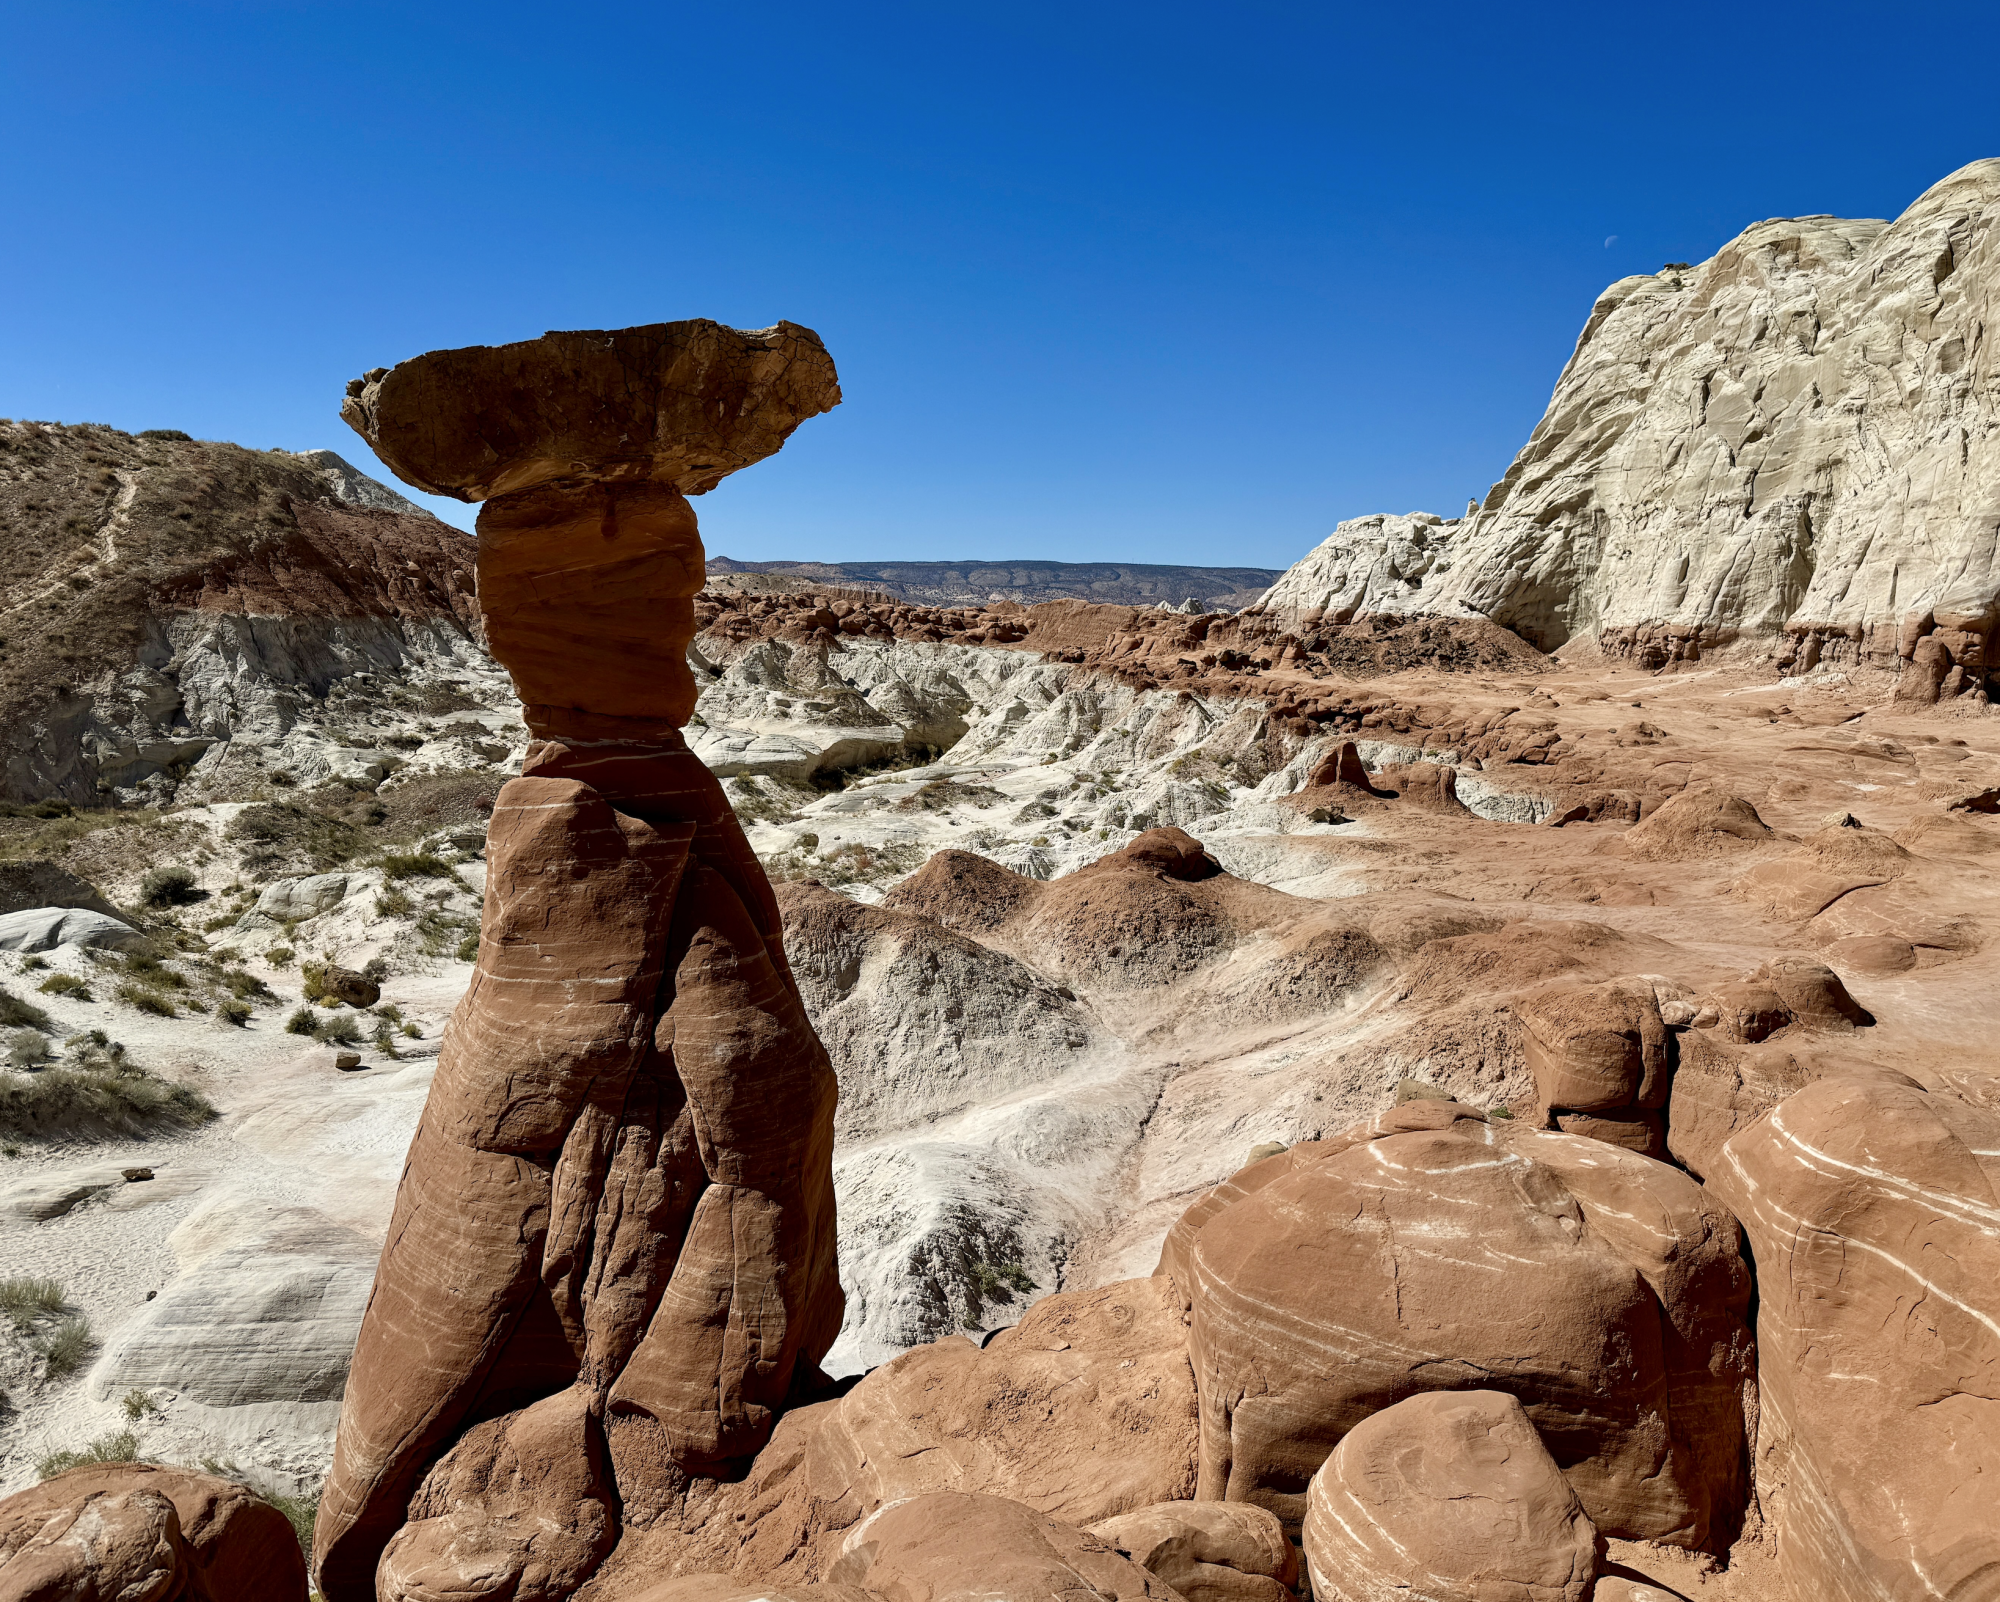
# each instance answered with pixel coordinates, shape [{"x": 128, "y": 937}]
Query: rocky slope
[
  {"x": 177, "y": 611},
  {"x": 1786, "y": 450}
]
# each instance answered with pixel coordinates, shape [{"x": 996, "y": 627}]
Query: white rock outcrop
[
  {"x": 45, "y": 928},
  {"x": 1792, "y": 447},
  {"x": 1369, "y": 565}
]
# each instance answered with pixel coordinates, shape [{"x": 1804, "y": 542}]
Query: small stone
[
  {"x": 135, "y": 1176},
  {"x": 1677, "y": 1014},
  {"x": 1263, "y": 1149},
  {"x": 1842, "y": 820},
  {"x": 347, "y": 1061}
]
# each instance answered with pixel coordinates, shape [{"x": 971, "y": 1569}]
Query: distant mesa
[{"x": 973, "y": 583}]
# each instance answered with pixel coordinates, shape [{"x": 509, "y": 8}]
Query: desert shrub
[
  {"x": 121, "y": 1447},
  {"x": 18, "y": 1014},
  {"x": 302, "y": 1511},
  {"x": 246, "y": 986},
  {"x": 161, "y": 433},
  {"x": 414, "y": 865},
  {"x": 66, "y": 984},
  {"x": 64, "y": 1349},
  {"x": 441, "y": 700},
  {"x": 147, "y": 967},
  {"x": 468, "y": 948},
  {"x": 49, "y": 808},
  {"x": 301, "y": 1022},
  {"x": 941, "y": 795},
  {"x": 339, "y": 1030},
  {"x": 312, "y": 980},
  {"x": 95, "y": 1096},
  {"x": 148, "y": 999},
  {"x": 439, "y": 931},
  {"x": 392, "y": 903},
  {"x": 218, "y": 924},
  {"x": 172, "y": 886},
  {"x": 992, "y": 1282},
  {"x": 278, "y": 956},
  {"x": 28, "y": 1298},
  {"x": 28, "y": 1048},
  {"x": 138, "y": 1404},
  {"x": 316, "y": 829},
  {"x": 34, "y": 964},
  {"x": 235, "y": 1012}
]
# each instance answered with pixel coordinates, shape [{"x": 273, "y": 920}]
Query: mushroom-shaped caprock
[
  {"x": 584, "y": 447},
  {"x": 684, "y": 404}
]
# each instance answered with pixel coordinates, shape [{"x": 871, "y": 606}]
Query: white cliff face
[{"x": 1793, "y": 447}]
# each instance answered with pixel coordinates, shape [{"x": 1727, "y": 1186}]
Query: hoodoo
[{"x": 612, "y": 1256}]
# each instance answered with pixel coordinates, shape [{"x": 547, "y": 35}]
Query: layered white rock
[{"x": 1794, "y": 446}]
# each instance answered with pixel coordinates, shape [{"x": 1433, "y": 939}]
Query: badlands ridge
[{"x": 1467, "y": 1078}]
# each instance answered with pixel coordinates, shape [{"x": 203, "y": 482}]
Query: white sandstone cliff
[{"x": 1794, "y": 447}]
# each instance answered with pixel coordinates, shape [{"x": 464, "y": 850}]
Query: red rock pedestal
[{"x": 611, "y": 1262}]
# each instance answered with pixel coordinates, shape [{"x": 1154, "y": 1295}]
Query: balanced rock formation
[
  {"x": 612, "y": 1257},
  {"x": 1452, "y": 1497},
  {"x": 1434, "y": 1250},
  {"x": 135, "y": 1530},
  {"x": 1870, "y": 1206},
  {"x": 1791, "y": 445}
]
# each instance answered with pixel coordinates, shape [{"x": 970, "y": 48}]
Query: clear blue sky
[{"x": 1160, "y": 283}]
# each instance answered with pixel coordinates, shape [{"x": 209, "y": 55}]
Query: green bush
[
  {"x": 122, "y": 1447},
  {"x": 393, "y": 904},
  {"x": 312, "y": 980},
  {"x": 16, "y": 1013},
  {"x": 301, "y": 1022},
  {"x": 65, "y": 1349},
  {"x": 151, "y": 969},
  {"x": 66, "y": 984},
  {"x": 414, "y": 865},
  {"x": 278, "y": 956},
  {"x": 146, "y": 999},
  {"x": 170, "y": 887},
  {"x": 468, "y": 948},
  {"x": 28, "y": 1048},
  {"x": 339, "y": 1030},
  {"x": 138, "y": 1404},
  {"x": 33, "y": 964},
  {"x": 234, "y": 1012},
  {"x": 302, "y": 1511},
  {"x": 26, "y": 1299}
]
